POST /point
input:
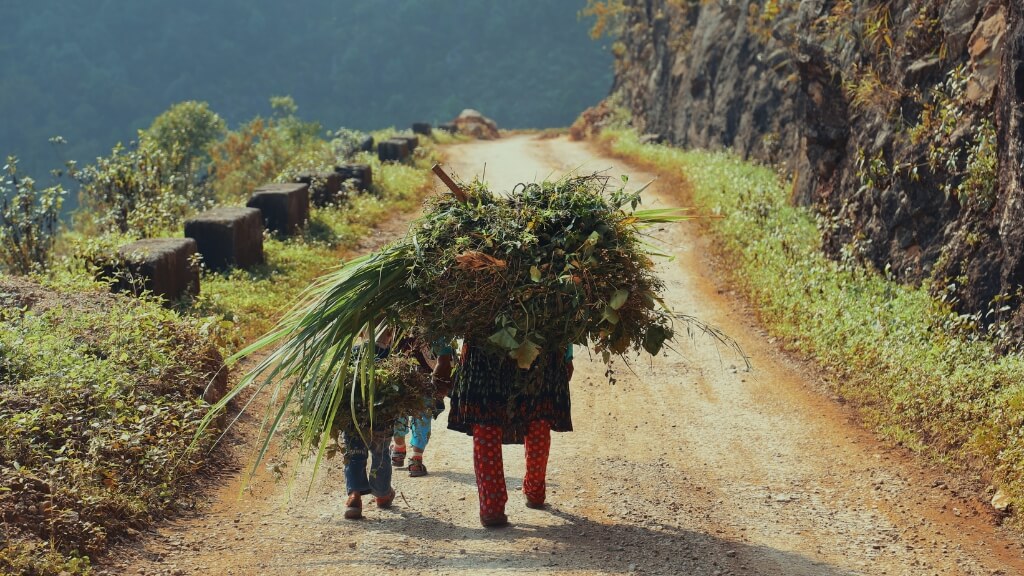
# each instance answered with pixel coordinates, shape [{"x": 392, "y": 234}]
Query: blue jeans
[{"x": 378, "y": 482}]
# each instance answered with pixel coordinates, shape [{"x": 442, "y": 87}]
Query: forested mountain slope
[{"x": 94, "y": 71}]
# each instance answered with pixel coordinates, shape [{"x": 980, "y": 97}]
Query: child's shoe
[
  {"x": 416, "y": 467},
  {"x": 386, "y": 501},
  {"x": 354, "y": 506},
  {"x": 397, "y": 457}
]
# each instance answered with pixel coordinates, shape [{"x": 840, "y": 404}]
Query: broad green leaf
[
  {"x": 504, "y": 338},
  {"x": 619, "y": 298},
  {"x": 535, "y": 273},
  {"x": 654, "y": 338}
]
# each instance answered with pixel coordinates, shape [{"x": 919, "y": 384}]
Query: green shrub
[
  {"x": 140, "y": 189},
  {"x": 99, "y": 397},
  {"x": 29, "y": 221},
  {"x": 192, "y": 128},
  {"x": 263, "y": 149}
]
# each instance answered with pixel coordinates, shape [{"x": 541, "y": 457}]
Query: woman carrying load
[{"x": 496, "y": 403}]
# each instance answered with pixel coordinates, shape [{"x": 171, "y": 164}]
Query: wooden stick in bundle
[{"x": 460, "y": 194}]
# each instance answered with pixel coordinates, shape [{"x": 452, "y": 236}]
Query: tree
[{"x": 191, "y": 126}]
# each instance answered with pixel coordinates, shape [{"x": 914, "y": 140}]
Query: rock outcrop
[
  {"x": 472, "y": 123},
  {"x": 900, "y": 122}
]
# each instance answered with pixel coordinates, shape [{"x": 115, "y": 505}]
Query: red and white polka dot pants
[
  {"x": 490, "y": 469},
  {"x": 538, "y": 444}
]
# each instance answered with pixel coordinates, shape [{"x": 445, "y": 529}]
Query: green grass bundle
[
  {"x": 400, "y": 387},
  {"x": 551, "y": 264},
  {"x": 542, "y": 267}
]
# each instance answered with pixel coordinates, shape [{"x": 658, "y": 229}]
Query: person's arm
[{"x": 442, "y": 376}]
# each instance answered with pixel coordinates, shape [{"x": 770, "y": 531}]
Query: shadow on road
[{"x": 578, "y": 543}]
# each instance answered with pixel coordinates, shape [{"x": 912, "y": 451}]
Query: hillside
[{"x": 97, "y": 70}]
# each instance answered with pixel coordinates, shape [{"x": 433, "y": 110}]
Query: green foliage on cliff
[{"x": 919, "y": 372}]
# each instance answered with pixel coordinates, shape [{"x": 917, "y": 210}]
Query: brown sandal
[{"x": 416, "y": 467}]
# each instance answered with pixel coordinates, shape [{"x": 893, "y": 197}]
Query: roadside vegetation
[
  {"x": 921, "y": 375},
  {"x": 100, "y": 394}
]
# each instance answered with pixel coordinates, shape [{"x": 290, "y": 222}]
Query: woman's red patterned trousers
[{"x": 490, "y": 469}]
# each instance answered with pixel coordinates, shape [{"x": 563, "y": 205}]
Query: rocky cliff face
[{"x": 899, "y": 120}]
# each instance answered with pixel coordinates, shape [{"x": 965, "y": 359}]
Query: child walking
[
  {"x": 441, "y": 373},
  {"x": 378, "y": 482}
]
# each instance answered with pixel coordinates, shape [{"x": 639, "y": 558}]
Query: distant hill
[{"x": 94, "y": 71}]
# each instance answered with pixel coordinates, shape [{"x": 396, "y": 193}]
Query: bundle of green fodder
[
  {"x": 548, "y": 265},
  {"x": 400, "y": 386},
  {"x": 542, "y": 267}
]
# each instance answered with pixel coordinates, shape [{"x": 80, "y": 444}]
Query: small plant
[
  {"x": 878, "y": 30},
  {"x": 872, "y": 171},
  {"x": 869, "y": 92},
  {"x": 346, "y": 142},
  {"x": 29, "y": 221},
  {"x": 981, "y": 174}
]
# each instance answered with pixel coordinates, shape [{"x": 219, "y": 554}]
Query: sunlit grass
[{"x": 888, "y": 346}]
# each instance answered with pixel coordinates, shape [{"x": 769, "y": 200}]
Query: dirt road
[{"x": 692, "y": 465}]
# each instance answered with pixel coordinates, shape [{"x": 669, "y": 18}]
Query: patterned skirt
[{"x": 490, "y": 389}]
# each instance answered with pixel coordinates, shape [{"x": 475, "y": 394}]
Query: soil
[{"x": 688, "y": 464}]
